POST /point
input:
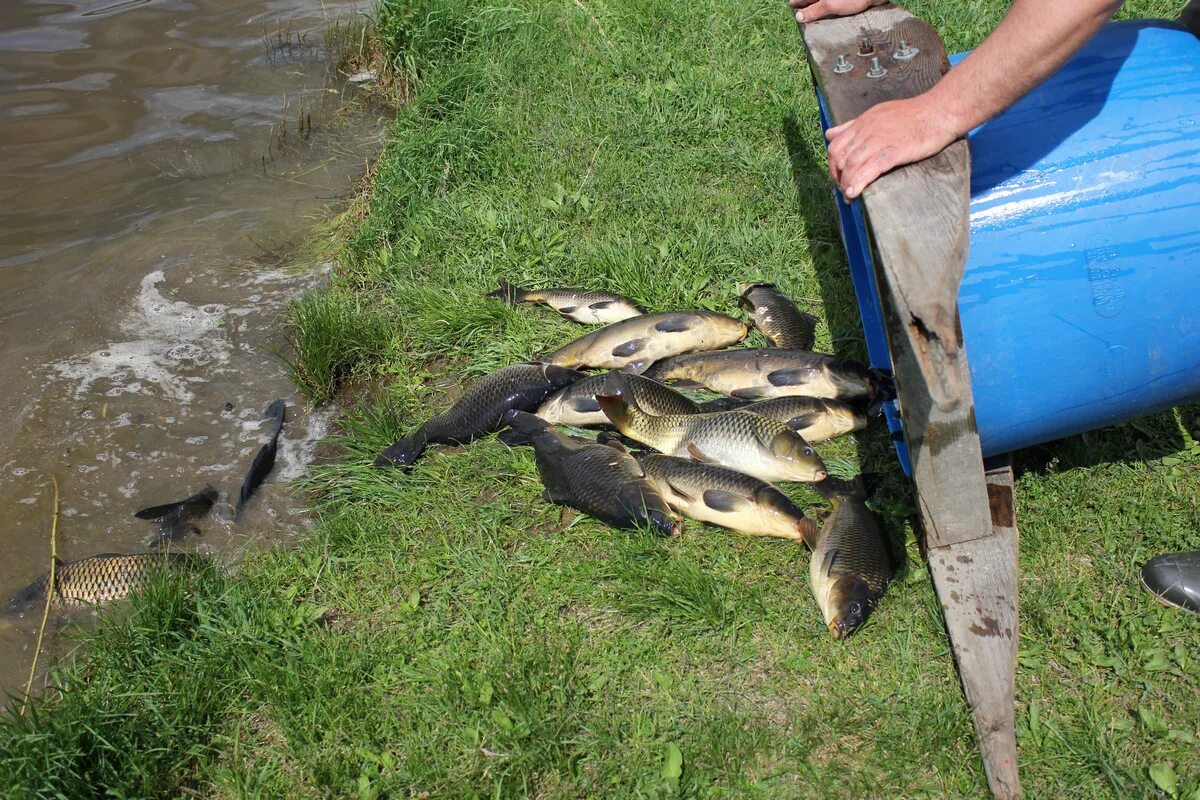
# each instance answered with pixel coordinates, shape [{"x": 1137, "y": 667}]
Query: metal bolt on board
[
  {"x": 904, "y": 52},
  {"x": 876, "y": 70},
  {"x": 842, "y": 65}
]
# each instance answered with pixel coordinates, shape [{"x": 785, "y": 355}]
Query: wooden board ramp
[{"x": 917, "y": 218}]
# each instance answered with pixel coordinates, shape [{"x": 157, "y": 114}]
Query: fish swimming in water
[
  {"x": 635, "y": 344},
  {"x": 728, "y": 498},
  {"x": 98, "y": 579},
  {"x": 601, "y": 480},
  {"x": 173, "y": 518},
  {"x": 759, "y": 373},
  {"x": 481, "y": 409},
  {"x": 580, "y": 305},
  {"x": 577, "y": 405},
  {"x": 851, "y": 564},
  {"x": 777, "y": 317},
  {"x": 264, "y": 460},
  {"x": 817, "y": 419},
  {"x": 764, "y": 448}
]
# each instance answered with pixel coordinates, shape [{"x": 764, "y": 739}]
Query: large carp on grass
[
  {"x": 601, "y": 480},
  {"x": 481, "y": 409},
  {"x": 579, "y": 305},
  {"x": 764, "y": 448},
  {"x": 577, "y": 404},
  {"x": 634, "y": 344},
  {"x": 777, "y": 317},
  {"x": 758, "y": 373}
]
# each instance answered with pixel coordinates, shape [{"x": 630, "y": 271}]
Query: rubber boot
[{"x": 1174, "y": 578}]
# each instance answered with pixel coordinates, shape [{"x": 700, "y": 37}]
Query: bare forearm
[{"x": 1033, "y": 40}]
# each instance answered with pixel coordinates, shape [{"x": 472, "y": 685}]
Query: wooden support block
[{"x": 976, "y": 583}]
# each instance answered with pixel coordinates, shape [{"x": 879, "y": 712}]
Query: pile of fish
[
  {"x": 112, "y": 576},
  {"x": 672, "y": 456}
]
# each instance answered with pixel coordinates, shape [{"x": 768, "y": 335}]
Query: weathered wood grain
[{"x": 918, "y": 216}]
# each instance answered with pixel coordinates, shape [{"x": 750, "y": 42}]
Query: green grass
[{"x": 445, "y": 633}]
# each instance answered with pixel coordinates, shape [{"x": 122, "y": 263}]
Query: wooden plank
[
  {"x": 976, "y": 584},
  {"x": 918, "y": 216}
]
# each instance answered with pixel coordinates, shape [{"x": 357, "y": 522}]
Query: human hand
[
  {"x": 886, "y": 136},
  {"x": 811, "y": 10}
]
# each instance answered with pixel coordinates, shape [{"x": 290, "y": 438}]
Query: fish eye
[
  {"x": 808, "y": 451},
  {"x": 856, "y": 608}
]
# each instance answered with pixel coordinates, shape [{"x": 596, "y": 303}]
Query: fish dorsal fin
[
  {"x": 674, "y": 325},
  {"x": 626, "y": 349},
  {"x": 727, "y": 502},
  {"x": 699, "y": 455}
]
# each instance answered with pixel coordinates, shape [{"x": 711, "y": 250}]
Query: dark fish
[
  {"x": 816, "y": 419},
  {"x": 601, "y": 480},
  {"x": 580, "y": 305},
  {"x": 481, "y": 409},
  {"x": 577, "y": 404},
  {"x": 173, "y": 518},
  {"x": 851, "y": 564},
  {"x": 759, "y": 373},
  {"x": 722, "y": 496},
  {"x": 635, "y": 344},
  {"x": 98, "y": 579},
  {"x": 264, "y": 460},
  {"x": 777, "y": 317},
  {"x": 764, "y": 448}
]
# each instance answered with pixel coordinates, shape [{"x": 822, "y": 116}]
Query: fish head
[
  {"x": 649, "y": 509},
  {"x": 851, "y": 379},
  {"x": 850, "y": 601},
  {"x": 560, "y": 377},
  {"x": 802, "y": 462},
  {"x": 721, "y": 330}
]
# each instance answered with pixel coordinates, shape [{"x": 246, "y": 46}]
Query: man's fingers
[
  {"x": 856, "y": 178},
  {"x": 814, "y": 11},
  {"x": 837, "y": 130}
]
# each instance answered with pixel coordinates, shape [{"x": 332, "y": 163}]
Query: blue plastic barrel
[{"x": 1080, "y": 302}]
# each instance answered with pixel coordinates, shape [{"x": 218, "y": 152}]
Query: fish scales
[
  {"x": 481, "y": 408},
  {"x": 817, "y": 419},
  {"x": 635, "y": 344},
  {"x": 758, "y": 373},
  {"x": 577, "y": 404},
  {"x": 728, "y": 498},
  {"x": 601, "y": 480},
  {"x": 851, "y": 564},
  {"x": 98, "y": 579},
  {"x": 777, "y": 317},
  {"x": 585, "y": 306}
]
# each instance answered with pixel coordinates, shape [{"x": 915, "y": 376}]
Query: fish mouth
[{"x": 837, "y": 628}]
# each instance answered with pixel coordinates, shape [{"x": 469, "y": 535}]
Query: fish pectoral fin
[
  {"x": 789, "y": 377},
  {"x": 674, "y": 325},
  {"x": 699, "y": 455},
  {"x": 828, "y": 561},
  {"x": 601, "y": 305},
  {"x": 585, "y": 404},
  {"x": 626, "y": 349},
  {"x": 725, "y": 502},
  {"x": 751, "y": 393},
  {"x": 802, "y": 421}
]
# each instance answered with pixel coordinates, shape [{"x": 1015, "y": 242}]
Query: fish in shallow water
[
  {"x": 580, "y": 305},
  {"x": 764, "y": 448},
  {"x": 817, "y": 419},
  {"x": 777, "y": 317},
  {"x": 264, "y": 460},
  {"x": 577, "y": 404},
  {"x": 635, "y": 344},
  {"x": 98, "y": 579},
  {"x": 481, "y": 409},
  {"x": 173, "y": 518},
  {"x": 759, "y": 373},
  {"x": 851, "y": 564},
  {"x": 601, "y": 480},
  {"x": 728, "y": 498}
]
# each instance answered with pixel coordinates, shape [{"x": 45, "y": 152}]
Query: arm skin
[{"x": 1034, "y": 39}]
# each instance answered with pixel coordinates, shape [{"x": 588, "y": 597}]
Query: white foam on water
[
  {"x": 168, "y": 339},
  {"x": 296, "y": 452}
]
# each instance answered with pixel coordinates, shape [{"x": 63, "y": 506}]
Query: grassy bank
[{"x": 447, "y": 634}]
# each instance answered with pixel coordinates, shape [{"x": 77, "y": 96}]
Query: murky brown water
[{"x": 142, "y": 164}]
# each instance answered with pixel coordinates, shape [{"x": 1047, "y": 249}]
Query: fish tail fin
[
  {"x": 276, "y": 410},
  {"x": 883, "y": 385},
  {"x": 809, "y": 531},
  {"x": 860, "y": 487},
  {"x": 507, "y": 293},
  {"x": 522, "y": 427},
  {"x": 619, "y": 411},
  {"x": 404, "y": 451},
  {"x": 159, "y": 512}
]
